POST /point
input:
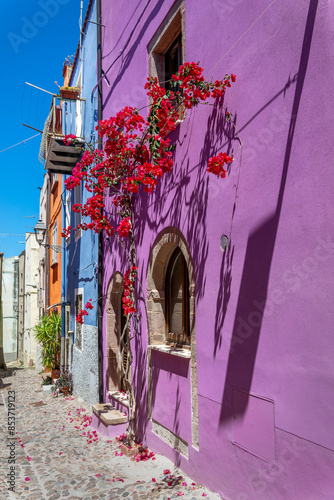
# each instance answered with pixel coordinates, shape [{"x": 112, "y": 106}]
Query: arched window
[{"x": 177, "y": 300}]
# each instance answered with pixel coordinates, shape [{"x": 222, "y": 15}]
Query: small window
[
  {"x": 78, "y": 326},
  {"x": 167, "y": 48},
  {"x": 177, "y": 300},
  {"x": 54, "y": 243}
]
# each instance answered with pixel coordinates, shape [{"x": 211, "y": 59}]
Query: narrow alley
[{"x": 55, "y": 454}]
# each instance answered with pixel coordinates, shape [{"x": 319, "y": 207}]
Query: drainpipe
[
  {"x": 63, "y": 273},
  {"x": 100, "y": 256}
]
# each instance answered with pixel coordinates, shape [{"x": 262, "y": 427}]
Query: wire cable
[
  {"x": 239, "y": 39},
  {"x": 124, "y": 47},
  {"x": 22, "y": 142}
]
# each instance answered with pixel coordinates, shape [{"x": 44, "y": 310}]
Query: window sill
[{"x": 174, "y": 351}]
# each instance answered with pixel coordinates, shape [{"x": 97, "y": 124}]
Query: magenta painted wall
[{"x": 276, "y": 207}]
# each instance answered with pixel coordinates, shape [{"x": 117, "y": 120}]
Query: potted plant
[
  {"x": 48, "y": 334},
  {"x": 64, "y": 382},
  {"x": 72, "y": 93}
]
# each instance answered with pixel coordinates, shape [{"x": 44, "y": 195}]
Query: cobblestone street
[{"x": 57, "y": 454}]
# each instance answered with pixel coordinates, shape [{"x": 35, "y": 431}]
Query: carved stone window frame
[
  {"x": 164, "y": 246},
  {"x": 113, "y": 330},
  {"x": 172, "y": 26}
]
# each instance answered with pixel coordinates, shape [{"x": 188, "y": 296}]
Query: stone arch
[
  {"x": 113, "y": 325},
  {"x": 163, "y": 247}
]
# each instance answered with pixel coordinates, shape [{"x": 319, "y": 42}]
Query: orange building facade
[{"x": 55, "y": 229}]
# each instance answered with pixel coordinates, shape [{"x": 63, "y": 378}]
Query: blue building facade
[{"x": 80, "y": 254}]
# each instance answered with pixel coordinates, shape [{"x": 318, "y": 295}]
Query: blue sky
[{"x": 35, "y": 38}]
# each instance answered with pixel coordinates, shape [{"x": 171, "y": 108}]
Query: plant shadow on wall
[
  {"x": 175, "y": 190},
  {"x": 259, "y": 253},
  {"x": 129, "y": 163},
  {"x": 134, "y": 46}
]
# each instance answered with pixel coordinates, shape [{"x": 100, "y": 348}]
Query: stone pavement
[{"x": 58, "y": 455}]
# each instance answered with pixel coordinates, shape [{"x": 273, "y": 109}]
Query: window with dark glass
[
  {"x": 177, "y": 300},
  {"x": 173, "y": 60}
]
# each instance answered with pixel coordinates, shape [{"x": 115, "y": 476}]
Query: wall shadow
[{"x": 259, "y": 253}]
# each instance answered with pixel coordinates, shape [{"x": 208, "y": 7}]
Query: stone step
[
  {"x": 120, "y": 397},
  {"x": 108, "y": 414}
]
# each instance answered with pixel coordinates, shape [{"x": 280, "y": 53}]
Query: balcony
[{"x": 56, "y": 156}]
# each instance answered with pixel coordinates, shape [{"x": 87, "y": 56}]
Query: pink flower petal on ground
[
  {"x": 97, "y": 475},
  {"x": 184, "y": 483},
  {"x": 153, "y": 458},
  {"x": 28, "y": 458},
  {"x": 153, "y": 480},
  {"x": 180, "y": 494},
  {"x": 166, "y": 471},
  {"x": 60, "y": 453},
  {"x": 204, "y": 495},
  {"x": 27, "y": 479}
]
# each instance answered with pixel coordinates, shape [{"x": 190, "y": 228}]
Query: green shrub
[{"x": 48, "y": 334}]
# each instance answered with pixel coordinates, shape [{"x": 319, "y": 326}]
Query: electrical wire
[
  {"x": 22, "y": 142},
  {"x": 123, "y": 49},
  {"x": 239, "y": 39}
]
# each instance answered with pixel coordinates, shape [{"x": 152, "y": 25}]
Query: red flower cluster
[
  {"x": 80, "y": 316},
  {"x": 136, "y": 154},
  {"x": 89, "y": 305},
  {"x": 195, "y": 89},
  {"x": 66, "y": 231},
  {"x": 128, "y": 287},
  {"x": 216, "y": 164},
  {"x": 67, "y": 138},
  {"x": 124, "y": 227}
]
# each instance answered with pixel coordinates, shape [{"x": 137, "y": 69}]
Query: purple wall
[{"x": 265, "y": 374}]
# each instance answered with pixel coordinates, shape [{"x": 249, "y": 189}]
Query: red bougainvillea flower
[
  {"x": 89, "y": 305},
  {"x": 216, "y": 164},
  {"x": 80, "y": 315},
  {"x": 67, "y": 138},
  {"x": 124, "y": 227}
]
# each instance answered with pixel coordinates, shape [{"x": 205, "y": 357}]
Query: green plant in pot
[{"x": 48, "y": 335}]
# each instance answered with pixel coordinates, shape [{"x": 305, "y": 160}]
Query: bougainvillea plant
[{"x": 136, "y": 153}]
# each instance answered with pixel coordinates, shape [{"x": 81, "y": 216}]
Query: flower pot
[
  {"x": 48, "y": 389},
  {"x": 69, "y": 94},
  {"x": 55, "y": 374},
  {"x": 64, "y": 390}
]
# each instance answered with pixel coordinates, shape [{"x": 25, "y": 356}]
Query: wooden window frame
[{"x": 174, "y": 338}]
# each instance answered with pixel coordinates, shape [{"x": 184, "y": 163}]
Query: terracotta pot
[
  {"x": 69, "y": 94},
  {"x": 55, "y": 374},
  {"x": 64, "y": 390}
]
